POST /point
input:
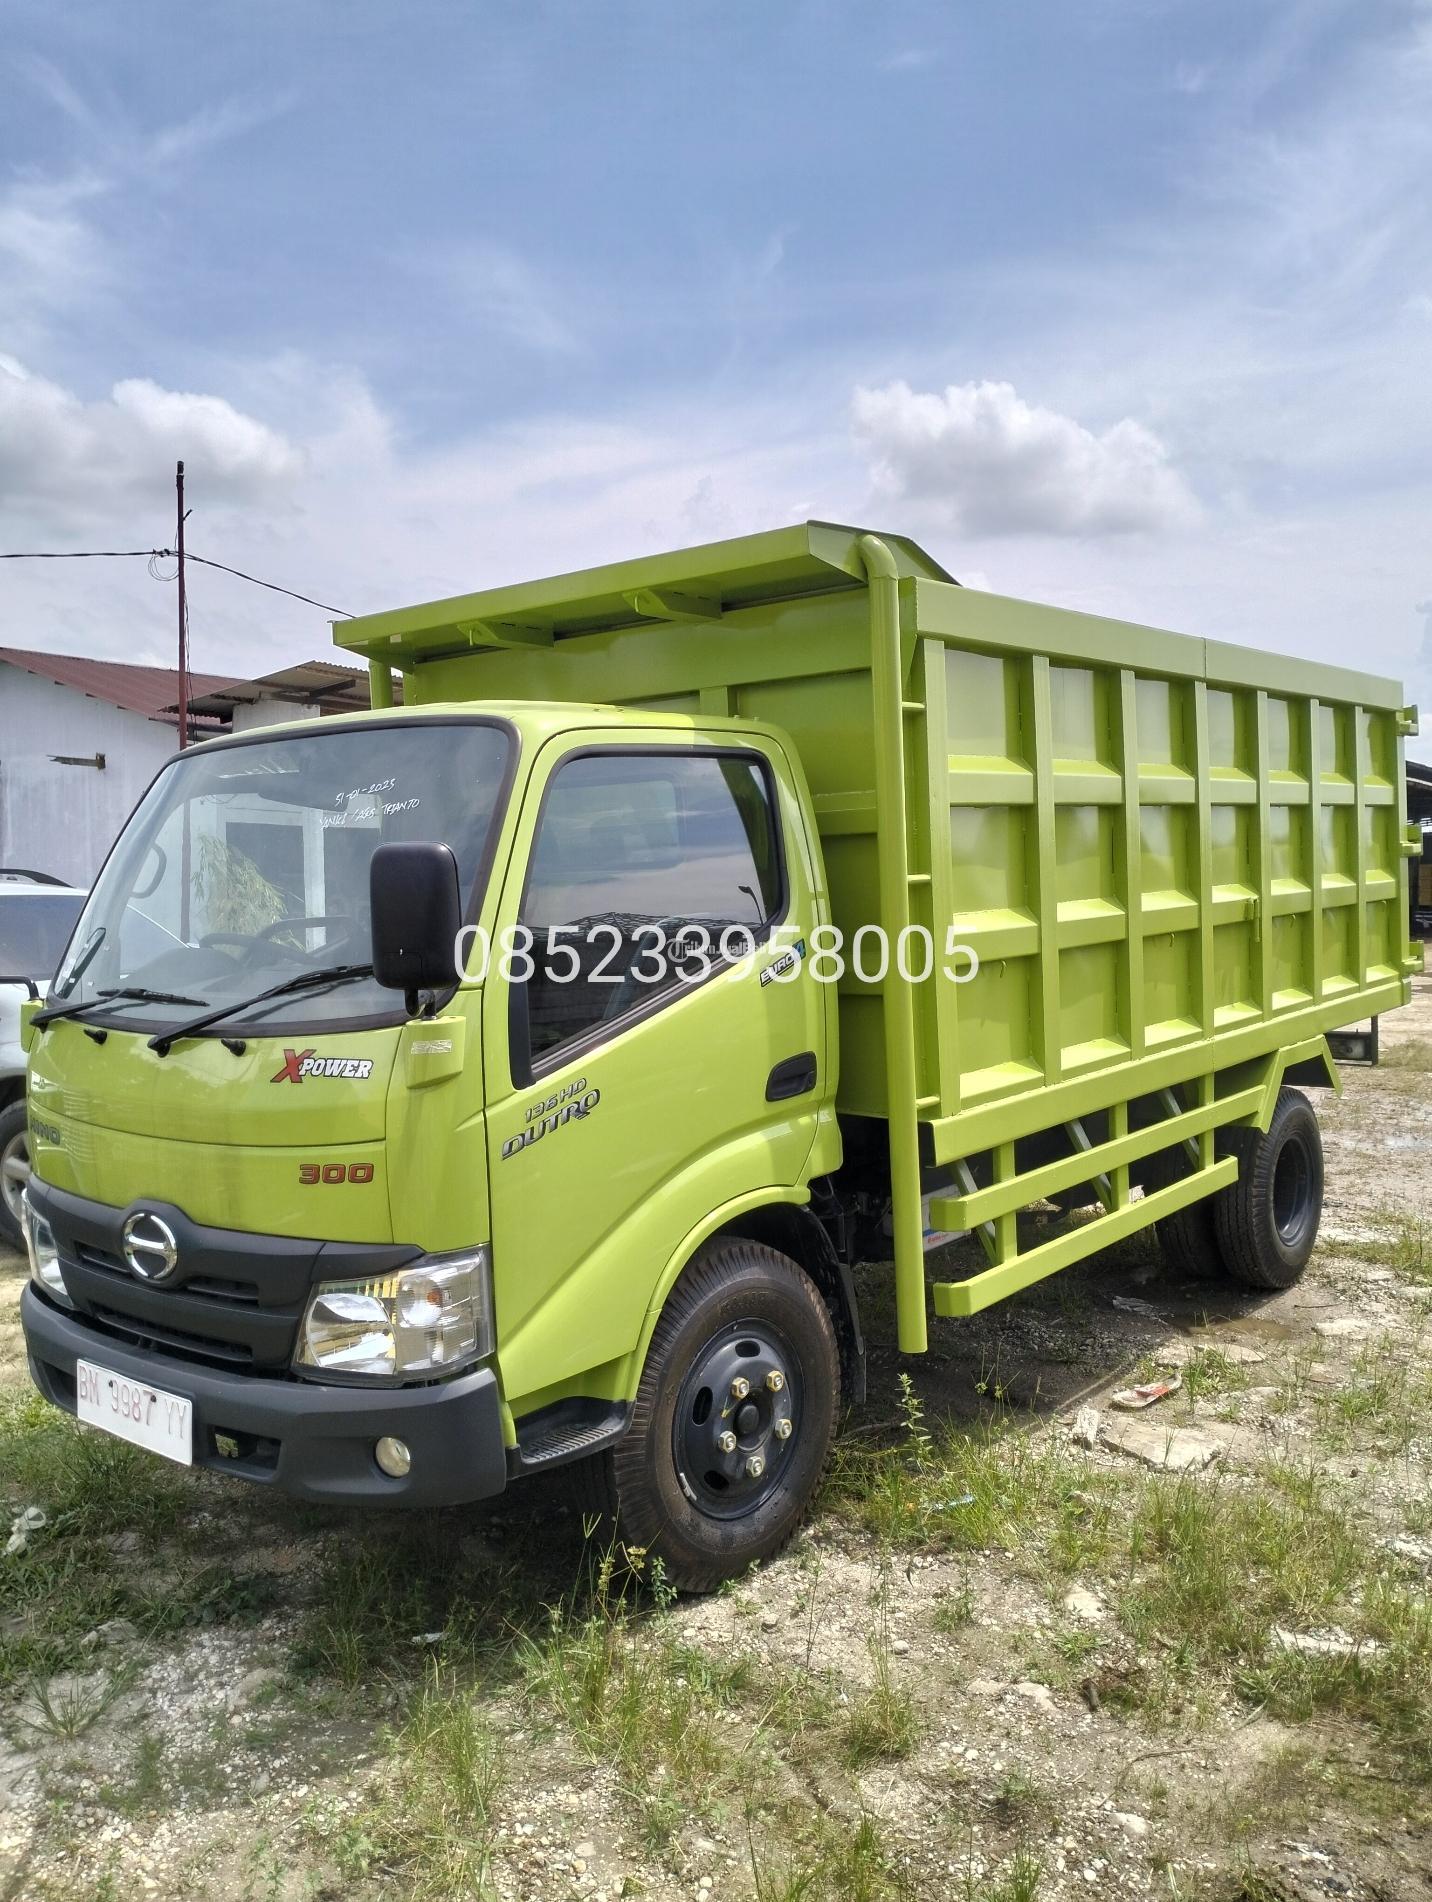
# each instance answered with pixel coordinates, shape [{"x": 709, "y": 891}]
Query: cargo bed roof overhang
[{"x": 694, "y": 585}]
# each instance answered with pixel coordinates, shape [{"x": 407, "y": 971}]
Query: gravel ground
[{"x": 245, "y": 1752}]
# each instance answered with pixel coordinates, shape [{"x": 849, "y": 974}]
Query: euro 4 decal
[
  {"x": 301, "y": 1064},
  {"x": 576, "y": 1101},
  {"x": 783, "y": 965}
]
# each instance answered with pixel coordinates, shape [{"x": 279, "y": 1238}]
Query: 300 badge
[{"x": 331, "y": 1172}]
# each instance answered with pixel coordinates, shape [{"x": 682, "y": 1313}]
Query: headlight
[
  {"x": 44, "y": 1253},
  {"x": 426, "y": 1319}
]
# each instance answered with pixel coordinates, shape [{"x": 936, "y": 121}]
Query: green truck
[{"x": 514, "y": 1077}]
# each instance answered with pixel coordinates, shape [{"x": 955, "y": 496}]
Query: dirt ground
[{"x": 1009, "y": 1658}]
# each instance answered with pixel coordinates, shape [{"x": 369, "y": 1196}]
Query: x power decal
[{"x": 298, "y": 1064}]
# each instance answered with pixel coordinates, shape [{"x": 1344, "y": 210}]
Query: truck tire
[
  {"x": 670, "y": 1488},
  {"x": 1188, "y": 1238},
  {"x": 14, "y": 1171},
  {"x": 1267, "y": 1220}
]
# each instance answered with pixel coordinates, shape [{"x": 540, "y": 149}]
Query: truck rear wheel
[
  {"x": 733, "y": 1418},
  {"x": 1267, "y": 1221},
  {"x": 14, "y": 1171},
  {"x": 1188, "y": 1238}
]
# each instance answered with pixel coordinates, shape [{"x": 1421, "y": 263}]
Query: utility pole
[{"x": 183, "y": 615}]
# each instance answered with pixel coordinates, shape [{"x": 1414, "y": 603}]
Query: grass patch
[
  {"x": 68, "y": 1581},
  {"x": 1405, "y": 1246},
  {"x": 963, "y": 1489},
  {"x": 1218, "y": 1567},
  {"x": 85, "y": 1481},
  {"x": 882, "y": 1726},
  {"x": 429, "y": 1818},
  {"x": 659, "y": 1711},
  {"x": 1415, "y": 1055},
  {"x": 1386, "y": 1398},
  {"x": 843, "y": 1865}
]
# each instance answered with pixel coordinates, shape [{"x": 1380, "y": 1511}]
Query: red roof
[{"x": 146, "y": 690}]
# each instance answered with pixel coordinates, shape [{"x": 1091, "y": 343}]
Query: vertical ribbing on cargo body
[{"x": 907, "y": 1229}]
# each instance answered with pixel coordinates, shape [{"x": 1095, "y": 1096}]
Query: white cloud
[
  {"x": 65, "y": 462},
  {"x": 341, "y": 506},
  {"x": 988, "y": 463}
]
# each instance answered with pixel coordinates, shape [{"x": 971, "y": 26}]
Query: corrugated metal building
[{"x": 80, "y": 740}]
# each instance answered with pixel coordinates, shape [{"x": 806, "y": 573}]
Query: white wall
[
  {"x": 63, "y": 819},
  {"x": 249, "y": 714}
]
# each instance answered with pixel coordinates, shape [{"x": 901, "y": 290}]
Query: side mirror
[{"x": 417, "y": 914}]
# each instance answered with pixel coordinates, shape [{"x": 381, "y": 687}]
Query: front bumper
[{"x": 312, "y": 1441}]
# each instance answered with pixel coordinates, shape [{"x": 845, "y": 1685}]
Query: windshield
[
  {"x": 247, "y": 865},
  {"x": 34, "y": 927}
]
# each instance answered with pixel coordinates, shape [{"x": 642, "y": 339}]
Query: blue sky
[{"x": 1125, "y": 305}]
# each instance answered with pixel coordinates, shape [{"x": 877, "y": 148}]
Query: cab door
[{"x": 661, "y": 1047}]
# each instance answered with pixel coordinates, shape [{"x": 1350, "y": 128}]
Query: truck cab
[{"x": 376, "y": 1243}]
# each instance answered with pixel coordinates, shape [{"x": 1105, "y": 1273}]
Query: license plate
[{"x": 132, "y": 1410}]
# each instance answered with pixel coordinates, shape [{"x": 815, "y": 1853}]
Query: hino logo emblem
[{"x": 149, "y": 1247}]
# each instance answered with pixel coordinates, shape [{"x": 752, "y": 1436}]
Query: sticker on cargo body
[{"x": 301, "y": 1064}]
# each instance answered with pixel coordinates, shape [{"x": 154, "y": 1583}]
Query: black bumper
[{"x": 312, "y": 1441}]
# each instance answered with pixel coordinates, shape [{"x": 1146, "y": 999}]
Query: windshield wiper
[
  {"x": 127, "y": 993},
  {"x": 305, "y": 981}
]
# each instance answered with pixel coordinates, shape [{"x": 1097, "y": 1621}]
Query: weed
[
  {"x": 956, "y": 1608},
  {"x": 882, "y": 1725},
  {"x": 1387, "y": 1396},
  {"x": 842, "y": 1866},
  {"x": 430, "y": 1819},
  {"x": 1018, "y": 1882},
  {"x": 69, "y": 1706},
  {"x": 653, "y": 1708},
  {"x": 143, "y": 1791},
  {"x": 1405, "y": 1245},
  {"x": 1208, "y": 1372}
]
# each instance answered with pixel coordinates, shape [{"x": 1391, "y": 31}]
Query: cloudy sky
[{"x": 1124, "y": 305}]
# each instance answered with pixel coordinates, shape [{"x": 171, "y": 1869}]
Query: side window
[{"x": 647, "y": 869}]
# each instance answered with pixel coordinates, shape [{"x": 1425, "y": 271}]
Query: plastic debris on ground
[
  {"x": 32, "y": 1519},
  {"x": 1135, "y": 1399}
]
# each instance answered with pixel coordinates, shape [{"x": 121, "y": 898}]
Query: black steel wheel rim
[
  {"x": 1292, "y": 1192},
  {"x": 738, "y": 1415}
]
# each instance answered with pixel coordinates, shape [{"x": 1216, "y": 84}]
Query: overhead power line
[
  {"x": 205, "y": 562},
  {"x": 169, "y": 554},
  {"x": 82, "y": 554}
]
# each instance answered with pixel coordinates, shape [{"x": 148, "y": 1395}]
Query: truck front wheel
[
  {"x": 1267, "y": 1221},
  {"x": 733, "y": 1419},
  {"x": 14, "y": 1172}
]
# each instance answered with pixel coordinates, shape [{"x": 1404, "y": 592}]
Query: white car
[{"x": 37, "y": 915}]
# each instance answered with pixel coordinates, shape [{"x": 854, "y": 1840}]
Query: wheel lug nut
[
  {"x": 727, "y": 1442},
  {"x": 755, "y": 1466},
  {"x": 775, "y": 1380},
  {"x": 783, "y": 1429},
  {"x": 740, "y": 1387}
]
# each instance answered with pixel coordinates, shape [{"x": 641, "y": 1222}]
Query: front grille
[
  {"x": 243, "y": 1293},
  {"x": 173, "y": 1340}
]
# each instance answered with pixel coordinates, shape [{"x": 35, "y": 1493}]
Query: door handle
[{"x": 793, "y": 1076}]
